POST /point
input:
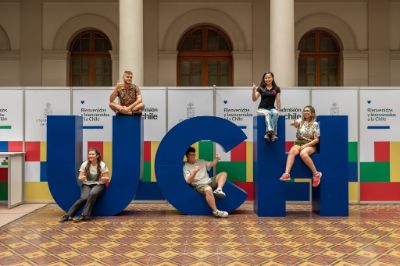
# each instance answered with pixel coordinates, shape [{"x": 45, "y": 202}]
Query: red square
[
  {"x": 14, "y": 146},
  {"x": 248, "y": 187},
  {"x": 382, "y": 151},
  {"x": 379, "y": 191},
  {"x": 147, "y": 151},
  {"x": 3, "y": 174},
  {"x": 238, "y": 154},
  {"x": 96, "y": 144},
  {"x": 32, "y": 149},
  {"x": 288, "y": 145}
]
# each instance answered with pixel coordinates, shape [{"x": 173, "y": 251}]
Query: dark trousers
[{"x": 89, "y": 194}]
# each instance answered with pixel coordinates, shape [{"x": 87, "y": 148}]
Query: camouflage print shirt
[
  {"x": 307, "y": 131},
  {"x": 127, "y": 96}
]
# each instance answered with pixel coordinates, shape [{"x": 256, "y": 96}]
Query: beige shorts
[{"x": 201, "y": 188}]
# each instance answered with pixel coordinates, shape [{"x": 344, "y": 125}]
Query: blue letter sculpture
[
  {"x": 330, "y": 198},
  {"x": 64, "y": 156},
  {"x": 168, "y": 165}
]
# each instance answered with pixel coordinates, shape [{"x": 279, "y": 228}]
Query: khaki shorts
[
  {"x": 301, "y": 142},
  {"x": 201, "y": 188}
]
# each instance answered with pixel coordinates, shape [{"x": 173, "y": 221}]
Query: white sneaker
[
  {"x": 219, "y": 193},
  {"x": 220, "y": 214}
]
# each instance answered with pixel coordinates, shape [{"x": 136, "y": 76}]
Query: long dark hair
[
  {"x": 264, "y": 85},
  {"x": 98, "y": 156}
]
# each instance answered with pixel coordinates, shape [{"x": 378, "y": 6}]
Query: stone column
[
  {"x": 131, "y": 39},
  {"x": 379, "y": 42},
  {"x": 31, "y": 43},
  {"x": 282, "y": 47}
]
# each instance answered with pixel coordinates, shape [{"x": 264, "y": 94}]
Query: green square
[
  {"x": 236, "y": 170},
  {"x": 146, "y": 172},
  {"x": 375, "y": 172},
  {"x": 3, "y": 191},
  {"x": 206, "y": 150},
  {"x": 353, "y": 151}
]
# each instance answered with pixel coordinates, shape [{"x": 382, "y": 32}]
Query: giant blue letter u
[{"x": 64, "y": 156}]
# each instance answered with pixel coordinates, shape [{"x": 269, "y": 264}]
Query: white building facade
[{"x": 200, "y": 43}]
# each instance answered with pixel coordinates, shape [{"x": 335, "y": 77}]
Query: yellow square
[
  {"x": 139, "y": 244},
  {"x": 231, "y": 244},
  {"x": 367, "y": 254},
  {"x": 79, "y": 244},
  {"x": 6, "y": 254},
  {"x": 68, "y": 255},
  {"x": 234, "y": 254},
  {"x": 18, "y": 244},
  {"x": 134, "y": 254},
  {"x": 200, "y": 253},
  {"x": 200, "y": 244},
  {"x": 168, "y": 254},
  {"x": 300, "y": 254},
  {"x": 101, "y": 254},
  {"x": 395, "y": 253},
  {"x": 267, "y": 254},
  {"x": 48, "y": 245},
  {"x": 323, "y": 244},
  {"x": 333, "y": 254},
  {"x": 36, "y": 254},
  {"x": 170, "y": 244},
  {"x": 88, "y": 236},
  {"x": 353, "y": 244}
]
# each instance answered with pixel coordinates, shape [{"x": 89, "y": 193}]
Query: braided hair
[{"x": 98, "y": 156}]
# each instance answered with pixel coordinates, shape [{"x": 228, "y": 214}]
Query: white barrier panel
[
  {"x": 11, "y": 115},
  {"x": 184, "y": 103},
  {"x": 155, "y": 113},
  {"x": 338, "y": 102},
  {"x": 39, "y": 104},
  {"x": 292, "y": 104},
  {"x": 237, "y": 106},
  {"x": 93, "y": 106},
  {"x": 379, "y": 119}
]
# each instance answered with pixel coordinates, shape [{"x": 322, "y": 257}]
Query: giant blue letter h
[{"x": 330, "y": 198}]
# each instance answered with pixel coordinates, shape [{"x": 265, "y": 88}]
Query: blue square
[
  {"x": 43, "y": 172},
  {"x": 3, "y": 146},
  {"x": 352, "y": 171}
]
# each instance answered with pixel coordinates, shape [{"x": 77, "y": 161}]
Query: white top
[
  {"x": 92, "y": 178},
  {"x": 201, "y": 178}
]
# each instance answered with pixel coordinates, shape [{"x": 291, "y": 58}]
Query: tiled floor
[
  {"x": 8, "y": 215},
  {"x": 156, "y": 234}
]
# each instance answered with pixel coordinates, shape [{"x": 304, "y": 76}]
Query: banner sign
[
  {"x": 188, "y": 103},
  {"x": 11, "y": 117},
  {"x": 39, "y": 104}
]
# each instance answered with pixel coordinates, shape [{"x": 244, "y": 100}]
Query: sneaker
[
  {"x": 274, "y": 138},
  {"x": 65, "y": 218},
  {"x": 220, "y": 214},
  {"x": 219, "y": 193},
  {"x": 80, "y": 219},
  {"x": 267, "y": 137},
  {"x": 285, "y": 177},
  {"x": 316, "y": 179}
]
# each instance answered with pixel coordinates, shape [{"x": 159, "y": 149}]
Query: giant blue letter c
[{"x": 168, "y": 164}]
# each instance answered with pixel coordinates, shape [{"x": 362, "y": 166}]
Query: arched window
[
  {"x": 205, "y": 58},
  {"x": 90, "y": 62},
  {"x": 319, "y": 63}
]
